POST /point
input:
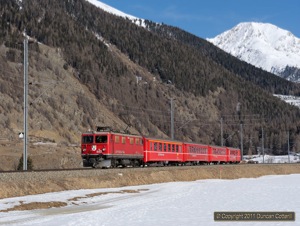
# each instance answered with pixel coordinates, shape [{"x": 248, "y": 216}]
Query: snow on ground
[
  {"x": 292, "y": 100},
  {"x": 176, "y": 203},
  {"x": 292, "y": 158}
]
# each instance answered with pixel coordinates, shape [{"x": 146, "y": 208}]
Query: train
[{"x": 105, "y": 148}]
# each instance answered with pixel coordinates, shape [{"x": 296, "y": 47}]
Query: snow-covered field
[
  {"x": 292, "y": 158},
  {"x": 176, "y": 203}
]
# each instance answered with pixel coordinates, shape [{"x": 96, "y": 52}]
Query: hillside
[
  {"x": 88, "y": 67},
  {"x": 263, "y": 79}
]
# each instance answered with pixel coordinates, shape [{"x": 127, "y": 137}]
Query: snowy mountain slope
[
  {"x": 262, "y": 45},
  {"x": 109, "y": 9}
]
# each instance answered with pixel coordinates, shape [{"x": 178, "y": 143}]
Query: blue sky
[{"x": 209, "y": 18}]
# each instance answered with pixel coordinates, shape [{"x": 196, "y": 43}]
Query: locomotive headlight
[
  {"x": 94, "y": 147},
  {"x": 103, "y": 149}
]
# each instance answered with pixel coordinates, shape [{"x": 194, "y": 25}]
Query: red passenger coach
[
  {"x": 234, "y": 155},
  {"x": 105, "y": 148},
  {"x": 195, "y": 153},
  {"x": 218, "y": 155},
  {"x": 162, "y": 152}
]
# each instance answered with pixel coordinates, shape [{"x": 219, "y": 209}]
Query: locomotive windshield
[
  {"x": 87, "y": 139},
  {"x": 101, "y": 139}
]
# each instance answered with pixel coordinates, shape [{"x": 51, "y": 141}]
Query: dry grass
[
  {"x": 40, "y": 182},
  {"x": 47, "y": 205},
  {"x": 21, "y": 184},
  {"x": 35, "y": 205}
]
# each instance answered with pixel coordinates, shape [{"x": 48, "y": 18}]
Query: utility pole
[
  {"x": 222, "y": 144},
  {"x": 289, "y": 146},
  {"x": 242, "y": 145},
  {"x": 238, "y": 109},
  {"x": 262, "y": 143},
  {"x": 25, "y": 102},
  {"x": 172, "y": 119}
]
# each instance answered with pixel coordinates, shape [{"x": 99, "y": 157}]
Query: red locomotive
[{"x": 104, "y": 148}]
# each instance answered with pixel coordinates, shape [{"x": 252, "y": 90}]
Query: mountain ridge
[
  {"x": 263, "y": 45},
  {"x": 114, "y": 11}
]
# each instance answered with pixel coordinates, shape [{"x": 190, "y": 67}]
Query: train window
[
  {"x": 173, "y": 147},
  {"x": 155, "y": 146},
  {"x": 169, "y": 147},
  {"x": 180, "y": 149},
  {"x": 141, "y": 141},
  {"x": 87, "y": 139},
  {"x": 160, "y": 147},
  {"x": 137, "y": 141},
  {"x": 165, "y": 147},
  {"x": 176, "y": 148},
  {"x": 131, "y": 140},
  {"x": 117, "y": 139},
  {"x": 151, "y": 146},
  {"x": 123, "y": 140},
  {"x": 101, "y": 139}
]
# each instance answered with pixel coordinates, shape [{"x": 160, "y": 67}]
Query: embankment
[{"x": 29, "y": 183}]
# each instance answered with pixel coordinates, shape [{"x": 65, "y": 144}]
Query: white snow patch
[
  {"x": 109, "y": 9},
  {"x": 260, "y": 158},
  {"x": 176, "y": 203},
  {"x": 292, "y": 100},
  {"x": 45, "y": 143}
]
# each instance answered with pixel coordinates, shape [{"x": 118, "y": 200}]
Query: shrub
[{"x": 29, "y": 164}]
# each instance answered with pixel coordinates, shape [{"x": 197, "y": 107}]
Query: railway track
[{"x": 159, "y": 168}]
